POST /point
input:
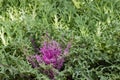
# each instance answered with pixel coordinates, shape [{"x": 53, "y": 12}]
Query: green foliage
[{"x": 92, "y": 25}]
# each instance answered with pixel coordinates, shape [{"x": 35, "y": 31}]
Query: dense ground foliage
[{"x": 92, "y": 26}]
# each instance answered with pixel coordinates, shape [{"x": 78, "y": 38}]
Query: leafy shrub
[{"x": 93, "y": 25}]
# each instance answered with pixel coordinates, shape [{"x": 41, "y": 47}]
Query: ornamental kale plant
[{"x": 51, "y": 54}]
